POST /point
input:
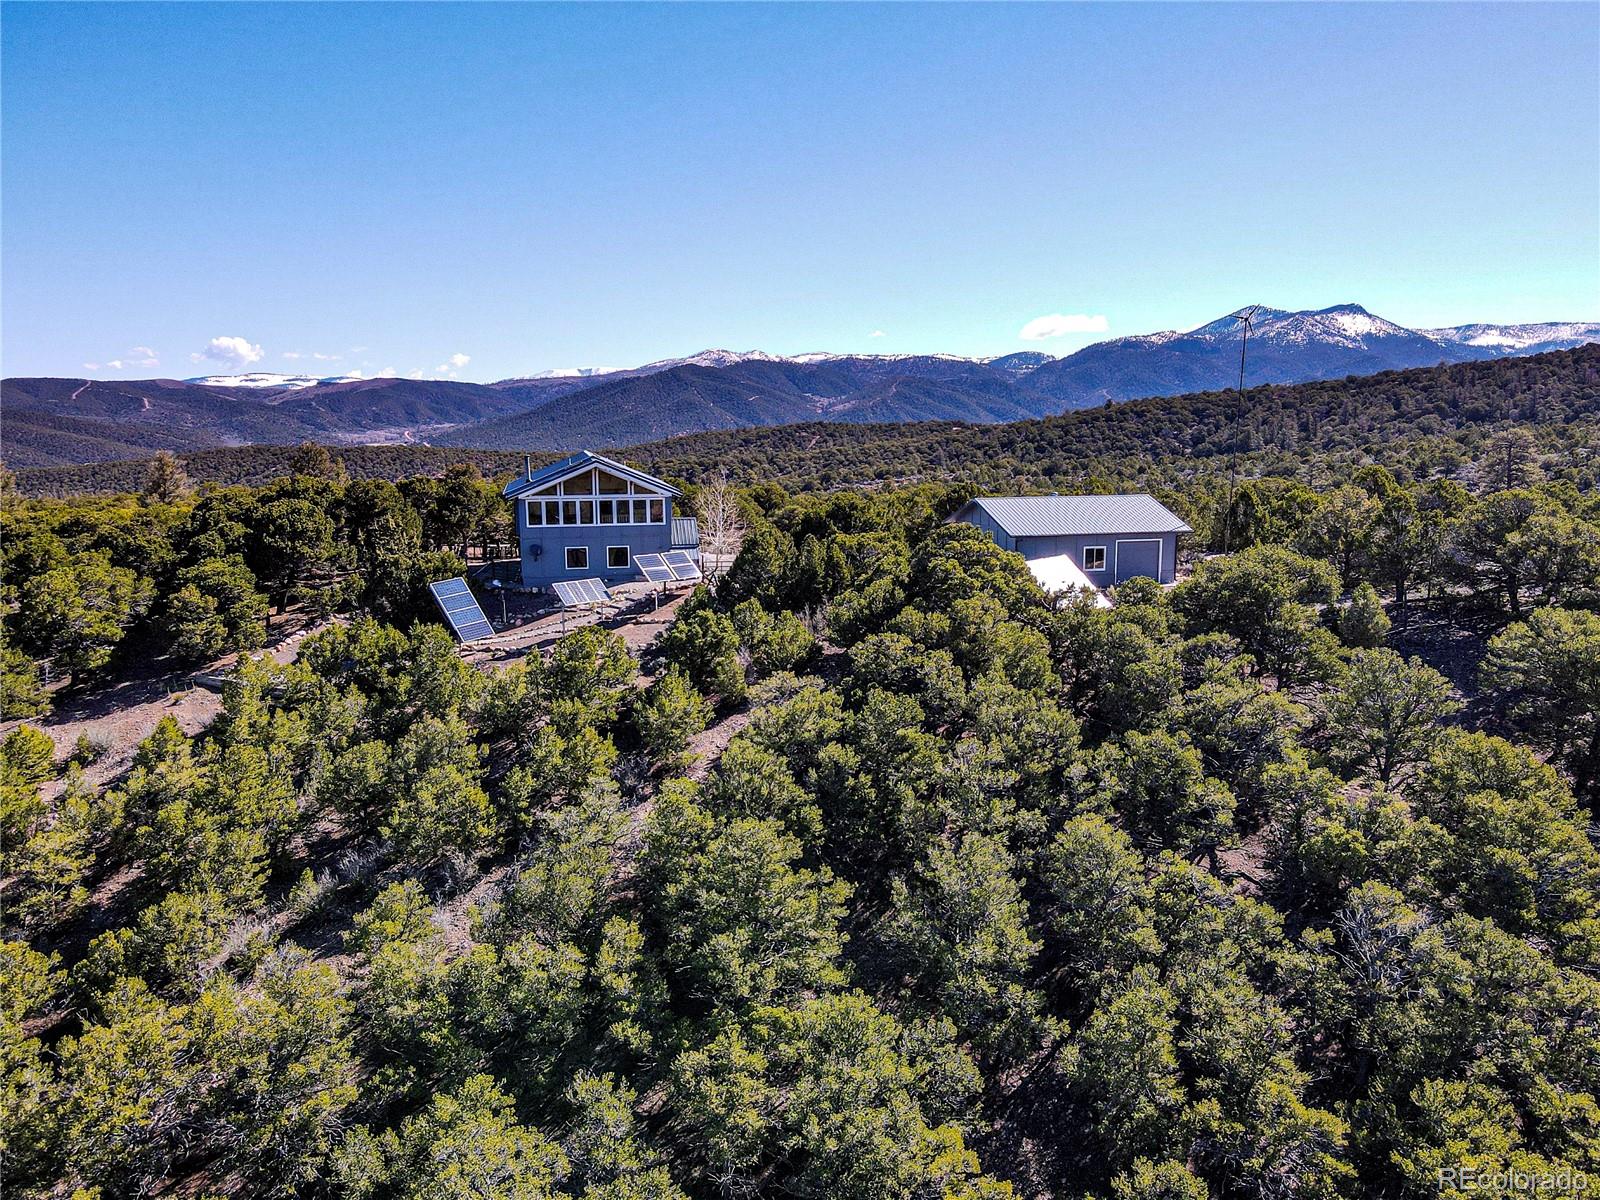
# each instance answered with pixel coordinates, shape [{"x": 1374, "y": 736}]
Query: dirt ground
[
  {"x": 119, "y": 717},
  {"x": 640, "y": 617}
]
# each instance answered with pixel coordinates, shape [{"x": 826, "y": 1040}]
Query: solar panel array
[
  {"x": 460, "y": 609},
  {"x": 654, "y": 567},
  {"x": 580, "y": 593},
  {"x": 684, "y": 568}
]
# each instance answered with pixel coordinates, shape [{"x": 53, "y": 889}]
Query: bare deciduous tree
[{"x": 721, "y": 525}]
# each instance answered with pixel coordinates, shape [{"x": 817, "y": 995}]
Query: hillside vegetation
[
  {"x": 1429, "y": 420},
  {"x": 882, "y": 875},
  {"x": 723, "y": 390}
]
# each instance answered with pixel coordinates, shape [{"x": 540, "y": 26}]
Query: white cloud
[
  {"x": 291, "y": 354},
  {"x": 326, "y": 357},
  {"x": 1058, "y": 324},
  {"x": 235, "y": 351},
  {"x": 139, "y": 356},
  {"x": 877, "y": 333},
  {"x": 451, "y": 365},
  {"x": 415, "y": 373},
  {"x": 388, "y": 373}
]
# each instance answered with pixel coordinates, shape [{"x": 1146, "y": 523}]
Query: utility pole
[{"x": 1245, "y": 317}]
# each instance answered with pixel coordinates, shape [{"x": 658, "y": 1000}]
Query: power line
[{"x": 1245, "y": 317}]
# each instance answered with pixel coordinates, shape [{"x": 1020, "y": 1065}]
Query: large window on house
[
  {"x": 616, "y": 558},
  {"x": 1094, "y": 558},
  {"x": 577, "y": 558},
  {"x": 592, "y": 499}
]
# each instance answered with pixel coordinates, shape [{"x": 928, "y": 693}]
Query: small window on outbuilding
[
  {"x": 616, "y": 558},
  {"x": 1094, "y": 558},
  {"x": 577, "y": 558}
]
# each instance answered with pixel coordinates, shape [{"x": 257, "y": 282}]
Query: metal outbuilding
[{"x": 1109, "y": 538}]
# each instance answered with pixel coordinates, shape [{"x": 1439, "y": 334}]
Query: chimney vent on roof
[{"x": 527, "y": 465}]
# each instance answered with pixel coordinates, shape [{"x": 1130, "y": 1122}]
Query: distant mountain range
[{"x": 62, "y": 421}]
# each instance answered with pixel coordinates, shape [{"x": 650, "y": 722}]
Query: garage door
[{"x": 1138, "y": 556}]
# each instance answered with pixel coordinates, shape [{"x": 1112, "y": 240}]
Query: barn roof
[
  {"x": 581, "y": 461},
  {"x": 1077, "y": 516}
]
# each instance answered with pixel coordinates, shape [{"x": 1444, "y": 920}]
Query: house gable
[{"x": 604, "y": 477}]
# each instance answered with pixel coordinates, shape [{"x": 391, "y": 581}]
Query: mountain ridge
[{"x": 56, "y": 421}]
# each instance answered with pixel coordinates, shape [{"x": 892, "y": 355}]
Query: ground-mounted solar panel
[
  {"x": 684, "y": 568},
  {"x": 580, "y": 593},
  {"x": 654, "y": 567},
  {"x": 460, "y": 609}
]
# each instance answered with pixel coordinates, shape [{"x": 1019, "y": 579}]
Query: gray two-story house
[
  {"x": 587, "y": 516},
  {"x": 1105, "y": 538}
]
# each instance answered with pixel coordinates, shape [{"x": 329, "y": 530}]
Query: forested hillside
[
  {"x": 880, "y": 874},
  {"x": 1434, "y": 418}
]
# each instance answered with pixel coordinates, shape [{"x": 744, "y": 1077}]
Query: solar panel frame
[
  {"x": 684, "y": 569},
  {"x": 654, "y": 567},
  {"x": 460, "y": 609},
  {"x": 580, "y": 593}
]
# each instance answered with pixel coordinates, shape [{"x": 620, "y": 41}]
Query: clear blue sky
[{"x": 547, "y": 186}]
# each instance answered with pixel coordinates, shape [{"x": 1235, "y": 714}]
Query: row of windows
[
  {"x": 597, "y": 512},
  {"x": 595, "y": 482},
  {"x": 578, "y": 558}
]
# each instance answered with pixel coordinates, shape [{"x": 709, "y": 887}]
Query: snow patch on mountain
[
  {"x": 270, "y": 379},
  {"x": 1515, "y": 339}
]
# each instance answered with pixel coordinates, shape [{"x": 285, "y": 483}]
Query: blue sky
[{"x": 489, "y": 190}]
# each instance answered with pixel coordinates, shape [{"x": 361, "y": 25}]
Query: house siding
[
  {"x": 1044, "y": 547},
  {"x": 973, "y": 515},
  {"x": 544, "y": 548}
]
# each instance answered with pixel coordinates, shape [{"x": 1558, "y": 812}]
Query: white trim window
[
  {"x": 1094, "y": 558},
  {"x": 598, "y": 510},
  {"x": 617, "y": 558},
  {"x": 577, "y": 558}
]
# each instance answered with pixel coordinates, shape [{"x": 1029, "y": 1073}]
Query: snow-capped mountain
[
  {"x": 1285, "y": 347},
  {"x": 1347, "y": 325},
  {"x": 724, "y": 389},
  {"x": 1520, "y": 339},
  {"x": 270, "y": 379},
  {"x": 569, "y": 373}
]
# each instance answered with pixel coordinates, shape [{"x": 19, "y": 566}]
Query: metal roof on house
[
  {"x": 1077, "y": 516},
  {"x": 685, "y": 533},
  {"x": 532, "y": 480}
]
